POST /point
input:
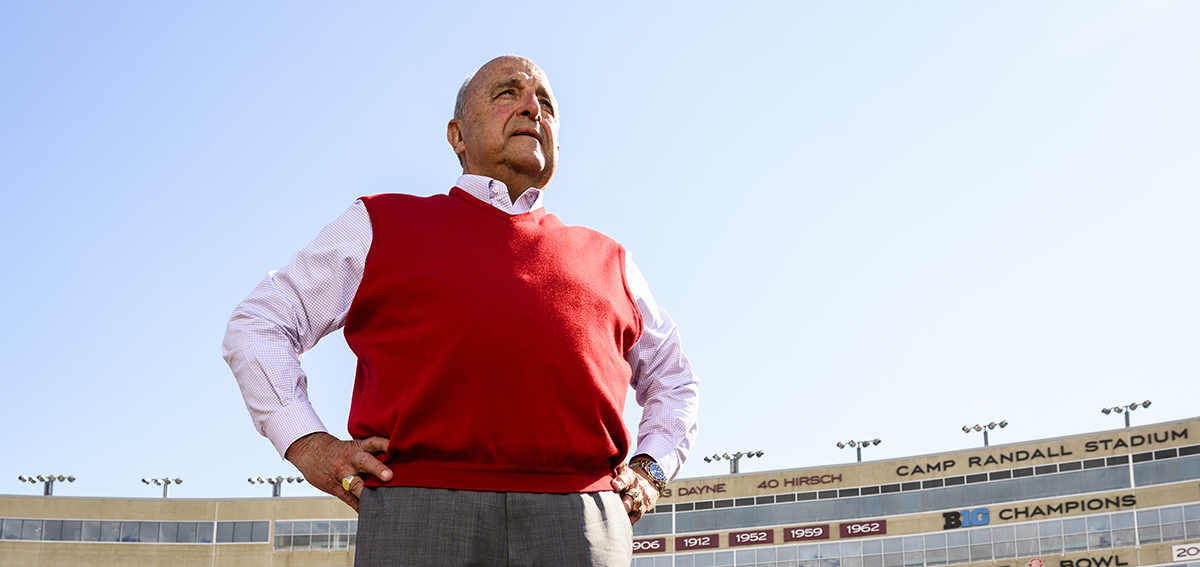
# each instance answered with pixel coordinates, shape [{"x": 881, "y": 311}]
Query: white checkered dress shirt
[{"x": 290, "y": 310}]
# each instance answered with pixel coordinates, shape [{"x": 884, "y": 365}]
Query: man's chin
[{"x": 531, "y": 165}]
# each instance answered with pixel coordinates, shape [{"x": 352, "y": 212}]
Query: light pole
[
  {"x": 1126, "y": 409},
  {"x": 48, "y": 479},
  {"x": 858, "y": 445},
  {"x": 276, "y": 483},
  {"x": 733, "y": 459},
  {"x": 984, "y": 429},
  {"x": 165, "y": 482}
]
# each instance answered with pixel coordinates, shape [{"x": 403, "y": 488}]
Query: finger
[
  {"x": 628, "y": 502},
  {"x": 623, "y": 480},
  {"x": 350, "y": 499},
  {"x": 616, "y": 479},
  {"x": 356, "y": 486},
  {"x": 634, "y": 515},
  {"x": 630, "y": 478},
  {"x": 374, "y": 445},
  {"x": 618, "y": 484},
  {"x": 345, "y": 471},
  {"x": 342, "y": 471},
  {"x": 367, "y": 463}
]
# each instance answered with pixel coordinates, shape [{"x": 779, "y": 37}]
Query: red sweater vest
[{"x": 491, "y": 348}]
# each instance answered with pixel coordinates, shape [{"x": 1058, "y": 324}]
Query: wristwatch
[{"x": 656, "y": 473}]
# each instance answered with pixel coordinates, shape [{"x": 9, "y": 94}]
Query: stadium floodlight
[
  {"x": 858, "y": 445},
  {"x": 48, "y": 479},
  {"x": 985, "y": 428},
  {"x": 164, "y": 482},
  {"x": 733, "y": 459},
  {"x": 1122, "y": 409},
  {"x": 276, "y": 483}
]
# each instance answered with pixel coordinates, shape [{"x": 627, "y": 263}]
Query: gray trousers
[{"x": 427, "y": 527}]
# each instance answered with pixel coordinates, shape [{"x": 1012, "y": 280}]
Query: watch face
[{"x": 655, "y": 471}]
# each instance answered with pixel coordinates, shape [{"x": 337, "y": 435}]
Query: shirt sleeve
[
  {"x": 663, "y": 382},
  {"x": 285, "y": 316}
]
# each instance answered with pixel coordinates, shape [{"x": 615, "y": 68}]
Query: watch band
[{"x": 653, "y": 470}]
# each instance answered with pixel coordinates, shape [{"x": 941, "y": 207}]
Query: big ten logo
[
  {"x": 966, "y": 518},
  {"x": 649, "y": 545}
]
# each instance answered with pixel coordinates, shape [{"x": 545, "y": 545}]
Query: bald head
[
  {"x": 505, "y": 124},
  {"x": 460, "y": 100}
]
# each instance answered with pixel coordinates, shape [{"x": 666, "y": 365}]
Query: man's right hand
[{"x": 324, "y": 460}]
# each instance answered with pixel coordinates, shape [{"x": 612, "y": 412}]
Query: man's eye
[
  {"x": 547, "y": 104},
  {"x": 508, "y": 92}
]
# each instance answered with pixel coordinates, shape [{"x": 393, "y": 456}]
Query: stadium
[{"x": 1125, "y": 497}]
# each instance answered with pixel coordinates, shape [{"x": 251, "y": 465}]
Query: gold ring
[
  {"x": 635, "y": 494},
  {"x": 346, "y": 482}
]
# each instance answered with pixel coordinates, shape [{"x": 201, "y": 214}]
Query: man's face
[{"x": 509, "y": 127}]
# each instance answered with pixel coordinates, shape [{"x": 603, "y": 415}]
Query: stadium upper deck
[{"x": 1111, "y": 499}]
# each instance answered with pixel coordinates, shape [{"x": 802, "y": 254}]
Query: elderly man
[{"x": 495, "y": 348}]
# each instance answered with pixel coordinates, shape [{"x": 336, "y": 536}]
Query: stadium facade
[{"x": 1126, "y": 497}]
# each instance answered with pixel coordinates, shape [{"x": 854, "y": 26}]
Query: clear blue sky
[{"x": 869, "y": 219}]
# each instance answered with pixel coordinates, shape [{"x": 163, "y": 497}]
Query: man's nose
[{"x": 531, "y": 107}]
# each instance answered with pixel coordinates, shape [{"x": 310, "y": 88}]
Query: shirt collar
[{"x": 495, "y": 193}]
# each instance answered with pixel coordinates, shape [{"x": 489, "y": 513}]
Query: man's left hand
[{"x": 633, "y": 481}]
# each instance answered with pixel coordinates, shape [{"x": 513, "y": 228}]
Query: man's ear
[{"x": 454, "y": 135}]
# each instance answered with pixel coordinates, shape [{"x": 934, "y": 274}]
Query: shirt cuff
[
  {"x": 663, "y": 451},
  {"x": 289, "y": 423}
]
